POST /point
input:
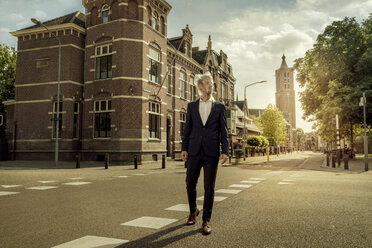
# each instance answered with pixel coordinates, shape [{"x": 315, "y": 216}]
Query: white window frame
[
  {"x": 54, "y": 115},
  {"x": 155, "y": 20},
  {"x": 157, "y": 59},
  {"x": 169, "y": 79},
  {"x": 105, "y": 9},
  {"x": 98, "y": 53},
  {"x": 183, "y": 85},
  {"x": 182, "y": 120},
  {"x": 99, "y": 110},
  {"x": 158, "y": 113}
]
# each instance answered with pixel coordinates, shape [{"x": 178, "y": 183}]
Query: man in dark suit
[{"x": 204, "y": 131}]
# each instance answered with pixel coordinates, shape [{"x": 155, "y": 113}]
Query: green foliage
[
  {"x": 273, "y": 126},
  {"x": 264, "y": 141},
  {"x": 256, "y": 120},
  {"x": 8, "y": 58},
  {"x": 300, "y": 138},
  {"x": 335, "y": 73},
  {"x": 253, "y": 140}
]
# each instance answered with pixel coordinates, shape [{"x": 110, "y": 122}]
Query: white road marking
[
  {"x": 275, "y": 172},
  {"x": 229, "y": 191},
  {"x": 77, "y": 183},
  {"x": 241, "y": 185},
  {"x": 139, "y": 174},
  {"x": 181, "y": 207},
  {"x": 10, "y": 186},
  {"x": 216, "y": 198},
  {"x": 7, "y": 193},
  {"x": 43, "y": 187},
  {"x": 122, "y": 176},
  {"x": 289, "y": 180},
  {"x": 90, "y": 241},
  {"x": 46, "y": 181},
  {"x": 149, "y": 222},
  {"x": 76, "y": 178},
  {"x": 284, "y": 183},
  {"x": 247, "y": 181},
  {"x": 257, "y": 178}
]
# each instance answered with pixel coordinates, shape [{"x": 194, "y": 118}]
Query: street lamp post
[
  {"x": 363, "y": 103},
  {"x": 244, "y": 109},
  {"x": 58, "y": 86}
]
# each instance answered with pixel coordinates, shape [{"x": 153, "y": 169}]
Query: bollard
[
  {"x": 163, "y": 162},
  {"x": 267, "y": 153},
  {"x": 346, "y": 161},
  {"x": 135, "y": 162},
  {"x": 77, "y": 161},
  {"x": 106, "y": 160},
  {"x": 327, "y": 159}
]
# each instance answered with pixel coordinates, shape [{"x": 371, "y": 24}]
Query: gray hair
[{"x": 200, "y": 78}]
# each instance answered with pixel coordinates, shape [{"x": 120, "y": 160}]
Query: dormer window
[
  {"x": 105, "y": 12},
  {"x": 155, "y": 20}
]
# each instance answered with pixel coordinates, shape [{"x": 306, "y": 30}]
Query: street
[{"x": 289, "y": 202}]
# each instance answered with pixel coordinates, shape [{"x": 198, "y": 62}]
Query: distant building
[{"x": 285, "y": 99}]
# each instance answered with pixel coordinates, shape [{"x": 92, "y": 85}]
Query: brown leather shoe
[
  {"x": 207, "y": 229},
  {"x": 192, "y": 218}
]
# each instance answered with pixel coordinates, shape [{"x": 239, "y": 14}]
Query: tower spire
[
  {"x": 209, "y": 43},
  {"x": 284, "y": 63}
]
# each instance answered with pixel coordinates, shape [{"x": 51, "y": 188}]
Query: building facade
[
  {"x": 285, "y": 100},
  {"x": 124, "y": 84}
]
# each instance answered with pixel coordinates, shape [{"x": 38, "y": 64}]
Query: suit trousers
[{"x": 194, "y": 164}]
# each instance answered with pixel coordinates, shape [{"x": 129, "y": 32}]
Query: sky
[{"x": 253, "y": 33}]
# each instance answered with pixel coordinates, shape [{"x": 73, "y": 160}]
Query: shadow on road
[{"x": 152, "y": 240}]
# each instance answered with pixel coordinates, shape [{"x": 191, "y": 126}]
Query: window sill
[
  {"x": 183, "y": 98},
  {"x": 103, "y": 138},
  {"x": 102, "y": 79},
  {"x": 154, "y": 139},
  {"x": 152, "y": 82}
]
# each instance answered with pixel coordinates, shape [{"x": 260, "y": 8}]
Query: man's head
[{"x": 205, "y": 83}]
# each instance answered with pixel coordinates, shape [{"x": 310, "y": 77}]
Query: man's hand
[
  {"x": 184, "y": 156},
  {"x": 223, "y": 158}
]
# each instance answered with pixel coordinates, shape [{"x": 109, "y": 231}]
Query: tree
[
  {"x": 273, "y": 126},
  {"x": 253, "y": 140},
  {"x": 8, "y": 58},
  {"x": 264, "y": 141},
  {"x": 301, "y": 138},
  {"x": 334, "y": 74}
]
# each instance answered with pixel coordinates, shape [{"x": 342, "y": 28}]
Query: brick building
[
  {"x": 285, "y": 101},
  {"x": 124, "y": 84}
]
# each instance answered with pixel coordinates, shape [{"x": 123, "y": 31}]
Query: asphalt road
[{"x": 289, "y": 204}]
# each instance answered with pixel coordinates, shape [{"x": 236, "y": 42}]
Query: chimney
[{"x": 195, "y": 49}]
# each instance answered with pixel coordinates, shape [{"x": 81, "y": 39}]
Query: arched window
[
  {"x": 162, "y": 25},
  {"x": 155, "y": 21},
  {"x": 132, "y": 10},
  {"x": 105, "y": 12},
  {"x": 149, "y": 15}
]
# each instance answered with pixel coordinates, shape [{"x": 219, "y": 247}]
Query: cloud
[{"x": 252, "y": 33}]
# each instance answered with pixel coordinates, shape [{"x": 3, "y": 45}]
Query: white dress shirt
[{"x": 205, "y": 108}]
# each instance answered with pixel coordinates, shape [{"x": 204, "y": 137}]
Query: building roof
[
  {"x": 175, "y": 42},
  {"x": 76, "y": 17},
  {"x": 284, "y": 63},
  {"x": 256, "y": 112},
  {"x": 240, "y": 104},
  {"x": 200, "y": 56}
]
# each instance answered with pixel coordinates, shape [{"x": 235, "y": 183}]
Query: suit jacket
[{"x": 212, "y": 134}]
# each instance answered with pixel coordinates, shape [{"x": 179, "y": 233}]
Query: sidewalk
[
  {"x": 355, "y": 165},
  {"x": 169, "y": 164},
  {"x": 33, "y": 164}
]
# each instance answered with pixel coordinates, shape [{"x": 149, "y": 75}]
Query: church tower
[{"x": 285, "y": 94}]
